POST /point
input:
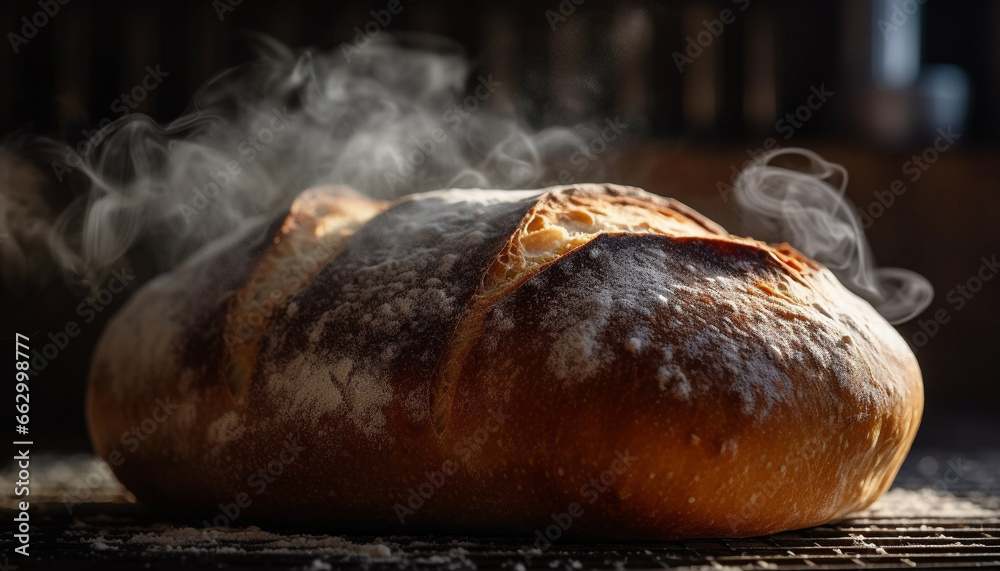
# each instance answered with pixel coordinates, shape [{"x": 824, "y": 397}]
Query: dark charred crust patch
[{"x": 225, "y": 273}]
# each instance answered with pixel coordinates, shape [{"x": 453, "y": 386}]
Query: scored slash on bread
[
  {"x": 562, "y": 220},
  {"x": 316, "y": 229},
  {"x": 755, "y": 391}
]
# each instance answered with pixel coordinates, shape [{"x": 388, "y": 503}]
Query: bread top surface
[
  {"x": 408, "y": 295},
  {"x": 389, "y": 319},
  {"x": 383, "y": 329},
  {"x": 335, "y": 317}
]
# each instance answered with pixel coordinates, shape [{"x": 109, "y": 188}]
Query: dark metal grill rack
[{"x": 954, "y": 529}]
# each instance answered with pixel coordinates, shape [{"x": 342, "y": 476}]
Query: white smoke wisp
[
  {"x": 394, "y": 120},
  {"x": 806, "y": 207},
  {"x": 25, "y": 219}
]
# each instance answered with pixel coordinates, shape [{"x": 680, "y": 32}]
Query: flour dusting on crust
[
  {"x": 387, "y": 303},
  {"x": 684, "y": 305},
  {"x": 226, "y": 428}
]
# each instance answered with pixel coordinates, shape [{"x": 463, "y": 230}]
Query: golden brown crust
[
  {"x": 536, "y": 342},
  {"x": 721, "y": 451}
]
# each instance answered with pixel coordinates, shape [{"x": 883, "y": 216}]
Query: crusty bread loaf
[{"x": 593, "y": 358}]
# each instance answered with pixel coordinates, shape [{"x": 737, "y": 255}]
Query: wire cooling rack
[{"x": 942, "y": 513}]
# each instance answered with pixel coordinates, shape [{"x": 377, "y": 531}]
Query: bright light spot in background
[{"x": 896, "y": 42}]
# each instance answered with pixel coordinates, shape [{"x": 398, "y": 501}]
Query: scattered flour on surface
[
  {"x": 254, "y": 540},
  {"x": 901, "y": 502},
  {"x": 100, "y": 545}
]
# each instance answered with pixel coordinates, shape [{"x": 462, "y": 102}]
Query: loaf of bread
[{"x": 589, "y": 360}]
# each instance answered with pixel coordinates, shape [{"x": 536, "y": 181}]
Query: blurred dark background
[{"x": 891, "y": 89}]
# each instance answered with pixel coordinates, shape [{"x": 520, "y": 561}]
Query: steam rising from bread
[
  {"x": 806, "y": 207},
  {"x": 25, "y": 218},
  {"x": 392, "y": 121}
]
